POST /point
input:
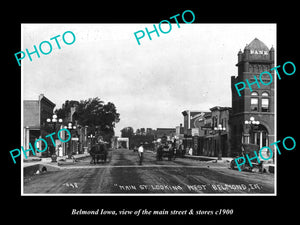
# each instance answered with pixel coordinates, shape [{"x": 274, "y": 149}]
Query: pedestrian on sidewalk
[
  {"x": 141, "y": 153},
  {"x": 191, "y": 151}
]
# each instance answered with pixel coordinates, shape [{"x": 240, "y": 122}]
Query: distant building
[
  {"x": 179, "y": 131},
  {"x": 122, "y": 142},
  {"x": 258, "y": 104},
  {"x": 168, "y": 132},
  {"x": 34, "y": 122}
]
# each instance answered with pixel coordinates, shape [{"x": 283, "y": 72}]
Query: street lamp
[
  {"x": 252, "y": 121},
  {"x": 219, "y": 129},
  {"x": 54, "y": 119},
  {"x": 70, "y": 127},
  {"x": 85, "y": 139},
  {"x": 91, "y": 136},
  {"x": 53, "y": 122}
]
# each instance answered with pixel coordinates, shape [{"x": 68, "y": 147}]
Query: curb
[{"x": 30, "y": 170}]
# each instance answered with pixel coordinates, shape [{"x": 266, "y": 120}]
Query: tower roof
[{"x": 257, "y": 45}]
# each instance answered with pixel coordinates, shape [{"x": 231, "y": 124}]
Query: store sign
[
  {"x": 195, "y": 131},
  {"x": 256, "y": 52},
  {"x": 206, "y": 128},
  {"x": 197, "y": 120},
  {"x": 198, "y": 115}
]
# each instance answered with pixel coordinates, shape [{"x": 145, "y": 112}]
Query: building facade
[
  {"x": 79, "y": 141},
  {"x": 167, "y": 132},
  {"x": 217, "y": 133},
  {"x": 35, "y": 115},
  {"x": 255, "y": 103},
  {"x": 191, "y": 121},
  {"x": 193, "y": 134}
]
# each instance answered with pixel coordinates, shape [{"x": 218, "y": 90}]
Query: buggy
[
  {"x": 165, "y": 151},
  {"x": 249, "y": 150},
  {"x": 98, "y": 152}
]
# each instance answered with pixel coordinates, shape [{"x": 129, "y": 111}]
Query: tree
[
  {"x": 99, "y": 117},
  {"x": 143, "y": 131},
  {"x": 127, "y": 132},
  {"x": 64, "y": 111},
  {"x": 142, "y": 135},
  {"x": 149, "y": 131},
  {"x": 138, "y": 132}
]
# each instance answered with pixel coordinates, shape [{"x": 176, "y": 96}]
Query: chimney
[{"x": 41, "y": 96}]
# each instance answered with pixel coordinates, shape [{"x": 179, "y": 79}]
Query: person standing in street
[
  {"x": 93, "y": 154},
  {"x": 141, "y": 153},
  {"x": 170, "y": 151},
  {"x": 159, "y": 152},
  {"x": 174, "y": 148}
]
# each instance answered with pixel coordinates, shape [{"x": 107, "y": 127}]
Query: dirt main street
[{"x": 123, "y": 175}]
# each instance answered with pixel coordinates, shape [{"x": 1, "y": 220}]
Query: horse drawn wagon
[{"x": 98, "y": 152}]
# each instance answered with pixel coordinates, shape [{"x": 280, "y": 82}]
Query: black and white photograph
[
  {"x": 149, "y": 113},
  {"x": 141, "y": 109}
]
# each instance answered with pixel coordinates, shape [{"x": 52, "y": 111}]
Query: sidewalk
[
  {"x": 202, "y": 158},
  {"x": 33, "y": 164},
  {"x": 209, "y": 158},
  {"x": 37, "y": 160}
]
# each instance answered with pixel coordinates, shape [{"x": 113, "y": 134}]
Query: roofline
[{"x": 220, "y": 108}]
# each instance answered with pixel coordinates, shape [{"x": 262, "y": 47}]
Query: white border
[{"x": 22, "y": 117}]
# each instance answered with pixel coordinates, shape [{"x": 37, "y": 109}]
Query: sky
[{"x": 189, "y": 68}]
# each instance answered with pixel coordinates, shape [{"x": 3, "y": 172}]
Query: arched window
[
  {"x": 254, "y": 101},
  {"x": 265, "y": 94}
]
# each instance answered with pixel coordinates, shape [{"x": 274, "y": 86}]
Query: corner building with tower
[{"x": 252, "y": 120}]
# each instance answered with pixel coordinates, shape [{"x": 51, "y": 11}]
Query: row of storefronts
[
  {"x": 221, "y": 131},
  {"x": 206, "y": 133},
  {"x": 39, "y": 121}
]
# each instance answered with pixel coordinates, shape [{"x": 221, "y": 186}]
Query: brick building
[
  {"x": 35, "y": 115},
  {"x": 217, "y": 140},
  {"x": 258, "y": 104}
]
